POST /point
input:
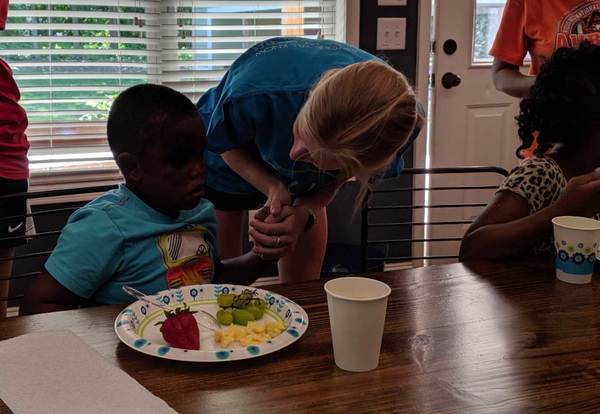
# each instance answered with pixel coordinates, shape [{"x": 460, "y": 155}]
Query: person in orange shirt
[
  {"x": 14, "y": 168},
  {"x": 539, "y": 27}
]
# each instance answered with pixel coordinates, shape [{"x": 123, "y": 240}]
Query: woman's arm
[
  {"x": 253, "y": 170},
  {"x": 508, "y": 79},
  {"x": 319, "y": 199}
]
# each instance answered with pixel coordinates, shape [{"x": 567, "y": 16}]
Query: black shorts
[
  {"x": 12, "y": 207},
  {"x": 234, "y": 202}
]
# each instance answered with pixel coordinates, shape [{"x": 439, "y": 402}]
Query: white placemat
[{"x": 56, "y": 372}]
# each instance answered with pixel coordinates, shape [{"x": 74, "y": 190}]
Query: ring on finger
[{"x": 277, "y": 241}]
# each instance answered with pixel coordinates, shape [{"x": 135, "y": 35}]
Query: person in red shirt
[
  {"x": 539, "y": 27},
  {"x": 14, "y": 169}
]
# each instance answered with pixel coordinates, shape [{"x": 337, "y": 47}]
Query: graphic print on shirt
[
  {"x": 186, "y": 255},
  {"x": 579, "y": 24}
]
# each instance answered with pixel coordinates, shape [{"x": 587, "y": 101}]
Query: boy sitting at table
[
  {"x": 563, "y": 177},
  {"x": 155, "y": 231}
]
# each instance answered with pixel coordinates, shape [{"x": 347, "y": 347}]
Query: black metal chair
[
  {"x": 28, "y": 259},
  {"x": 380, "y": 242},
  {"x": 386, "y": 241}
]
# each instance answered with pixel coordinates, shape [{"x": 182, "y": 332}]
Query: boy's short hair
[{"x": 140, "y": 114}]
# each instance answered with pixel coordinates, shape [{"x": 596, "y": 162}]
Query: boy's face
[
  {"x": 171, "y": 174},
  {"x": 3, "y": 13}
]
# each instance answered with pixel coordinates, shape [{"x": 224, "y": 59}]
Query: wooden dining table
[{"x": 479, "y": 337}]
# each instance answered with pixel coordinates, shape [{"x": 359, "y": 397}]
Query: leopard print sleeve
[{"x": 538, "y": 180}]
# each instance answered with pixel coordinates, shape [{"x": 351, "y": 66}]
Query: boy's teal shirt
[{"x": 117, "y": 240}]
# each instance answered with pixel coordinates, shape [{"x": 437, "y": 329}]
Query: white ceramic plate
[{"x": 136, "y": 324}]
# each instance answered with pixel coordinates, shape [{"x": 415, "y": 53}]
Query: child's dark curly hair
[{"x": 564, "y": 103}]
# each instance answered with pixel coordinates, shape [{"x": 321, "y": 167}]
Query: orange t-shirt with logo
[{"x": 541, "y": 26}]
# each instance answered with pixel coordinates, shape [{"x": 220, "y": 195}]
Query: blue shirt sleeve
[
  {"x": 88, "y": 253},
  {"x": 234, "y": 127}
]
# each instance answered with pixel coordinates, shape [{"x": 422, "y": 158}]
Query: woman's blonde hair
[{"x": 363, "y": 114}]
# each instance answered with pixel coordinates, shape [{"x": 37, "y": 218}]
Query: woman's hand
[
  {"x": 276, "y": 239},
  {"x": 278, "y": 197}
]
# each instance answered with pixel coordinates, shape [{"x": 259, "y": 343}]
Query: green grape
[
  {"x": 260, "y": 303},
  {"x": 255, "y": 310},
  {"x": 225, "y": 300},
  {"x": 243, "y": 299},
  {"x": 242, "y": 317},
  {"x": 224, "y": 317}
]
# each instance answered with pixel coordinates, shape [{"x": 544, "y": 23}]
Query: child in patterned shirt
[{"x": 563, "y": 177}]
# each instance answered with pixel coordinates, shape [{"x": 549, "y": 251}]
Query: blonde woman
[{"x": 291, "y": 121}]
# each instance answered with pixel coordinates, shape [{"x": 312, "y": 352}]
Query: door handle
[{"x": 450, "y": 80}]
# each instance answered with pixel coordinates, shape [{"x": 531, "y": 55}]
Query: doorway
[{"x": 470, "y": 123}]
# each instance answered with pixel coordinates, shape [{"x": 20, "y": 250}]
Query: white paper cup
[
  {"x": 357, "y": 308},
  {"x": 576, "y": 242}
]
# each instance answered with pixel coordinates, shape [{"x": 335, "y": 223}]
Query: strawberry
[{"x": 180, "y": 329}]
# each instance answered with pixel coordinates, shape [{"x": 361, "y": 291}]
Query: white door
[{"x": 473, "y": 123}]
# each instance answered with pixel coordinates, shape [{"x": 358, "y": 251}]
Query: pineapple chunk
[{"x": 252, "y": 334}]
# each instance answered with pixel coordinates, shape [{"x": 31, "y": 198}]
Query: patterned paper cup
[{"x": 576, "y": 242}]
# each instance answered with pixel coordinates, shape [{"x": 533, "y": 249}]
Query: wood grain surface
[{"x": 479, "y": 338}]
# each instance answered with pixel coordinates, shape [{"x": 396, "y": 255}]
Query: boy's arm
[
  {"x": 505, "y": 228},
  {"x": 87, "y": 254},
  {"x": 47, "y": 295},
  {"x": 243, "y": 270}
]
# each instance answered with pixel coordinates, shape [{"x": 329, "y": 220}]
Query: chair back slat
[
  {"x": 49, "y": 220},
  {"x": 385, "y": 240}
]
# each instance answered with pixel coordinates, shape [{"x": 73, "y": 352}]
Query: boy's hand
[
  {"x": 263, "y": 213},
  {"x": 278, "y": 238},
  {"x": 581, "y": 196}
]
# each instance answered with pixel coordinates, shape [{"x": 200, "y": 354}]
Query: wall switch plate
[
  {"x": 391, "y": 33},
  {"x": 391, "y": 2}
]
